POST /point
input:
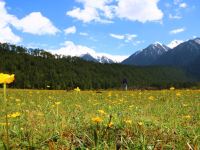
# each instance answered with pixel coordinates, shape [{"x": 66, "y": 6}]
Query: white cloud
[
  {"x": 84, "y": 34},
  {"x": 176, "y": 31},
  {"x": 7, "y": 36},
  {"x": 6, "y": 33},
  {"x": 97, "y": 11},
  {"x": 5, "y": 18},
  {"x": 176, "y": 9},
  {"x": 86, "y": 15},
  {"x": 70, "y": 30},
  {"x": 71, "y": 49},
  {"x": 125, "y": 37},
  {"x": 36, "y": 23},
  {"x": 194, "y": 36},
  {"x": 174, "y": 16},
  {"x": 174, "y": 43},
  {"x": 139, "y": 10},
  {"x": 100, "y": 5},
  {"x": 137, "y": 42},
  {"x": 117, "y": 36},
  {"x": 176, "y": 2},
  {"x": 115, "y": 58},
  {"x": 130, "y": 37},
  {"x": 104, "y": 10},
  {"x": 183, "y": 5}
]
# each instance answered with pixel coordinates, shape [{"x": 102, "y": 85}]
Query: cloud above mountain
[
  {"x": 69, "y": 48},
  {"x": 70, "y": 30},
  {"x": 5, "y": 29},
  {"x": 178, "y": 30},
  {"x": 36, "y": 23},
  {"x": 105, "y": 11},
  {"x": 174, "y": 43},
  {"x": 125, "y": 37},
  {"x": 33, "y": 23}
]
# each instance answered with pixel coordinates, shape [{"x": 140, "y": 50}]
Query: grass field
[{"x": 42, "y": 119}]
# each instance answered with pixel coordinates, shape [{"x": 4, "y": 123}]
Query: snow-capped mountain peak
[
  {"x": 158, "y": 45},
  {"x": 155, "y": 49},
  {"x": 104, "y": 59},
  {"x": 96, "y": 58},
  {"x": 174, "y": 43},
  {"x": 147, "y": 55},
  {"x": 197, "y": 40}
]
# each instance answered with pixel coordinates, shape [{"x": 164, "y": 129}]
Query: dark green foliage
[{"x": 35, "y": 68}]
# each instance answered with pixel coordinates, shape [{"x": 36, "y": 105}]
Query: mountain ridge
[
  {"x": 181, "y": 55},
  {"x": 37, "y": 69},
  {"x": 99, "y": 59},
  {"x": 148, "y": 55}
]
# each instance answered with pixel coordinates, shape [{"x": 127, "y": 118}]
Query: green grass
[{"x": 167, "y": 119}]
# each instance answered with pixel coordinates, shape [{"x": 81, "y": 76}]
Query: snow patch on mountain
[
  {"x": 197, "y": 40},
  {"x": 71, "y": 49},
  {"x": 174, "y": 43}
]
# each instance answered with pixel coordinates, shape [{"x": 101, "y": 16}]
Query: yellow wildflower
[
  {"x": 97, "y": 119},
  {"x": 14, "y": 115},
  {"x": 187, "y": 117},
  {"x": 57, "y": 103},
  {"x": 110, "y": 124},
  {"x": 128, "y": 121},
  {"x": 185, "y": 105},
  {"x": 96, "y": 104},
  {"x": 3, "y": 124},
  {"x": 40, "y": 114},
  {"x": 151, "y": 98},
  {"x": 172, "y": 88},
  {"x": 140, "y": 123},
  {"x": 6, "y": 78},
  {"x": 131, "y": 106},
  {"x": 102, "y": 112},
  {"x": 17, "y": 100},
  {"x": 178, "y": 94},
  {"x": 77, "y": 89},
  {"x": 78, "y": 106},
  {"x": 109, "y": 94}
]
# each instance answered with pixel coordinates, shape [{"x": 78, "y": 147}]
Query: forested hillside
[{"x": 39, "y": 69}]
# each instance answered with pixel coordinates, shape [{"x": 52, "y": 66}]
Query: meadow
[{"x": 135, "y": 120}]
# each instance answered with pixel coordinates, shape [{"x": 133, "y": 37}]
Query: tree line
[{"x": 39, "y": 69}]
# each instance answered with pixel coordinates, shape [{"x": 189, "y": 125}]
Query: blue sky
[{"x": 116, "y": 28}]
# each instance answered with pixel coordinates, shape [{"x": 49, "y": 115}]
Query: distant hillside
[
  {"x": 35, "y": 68},
  {"x": 147, "y": 56},
  {"x": 182, "y": 55},
  {"x": 100, "y": 59},
  {"x": 186, "y": 56},
  {"x": 88, "y": 57}
]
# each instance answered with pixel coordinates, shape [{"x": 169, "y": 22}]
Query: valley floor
[{"x": 42, "y": 119}]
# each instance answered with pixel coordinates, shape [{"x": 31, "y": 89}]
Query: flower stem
[
  {"x": 6, "y": 109},
  {"x": 57, "y": 117}
]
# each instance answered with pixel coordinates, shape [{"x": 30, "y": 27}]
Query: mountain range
[
  {"x": 100, "y": 59},
  {"x": 161, "y": 67},
  {"x": 184, "y": 54},
  {"x": 147, "y": 56}
]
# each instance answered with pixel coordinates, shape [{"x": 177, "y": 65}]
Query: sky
[{"x": 114, "y": 28}]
